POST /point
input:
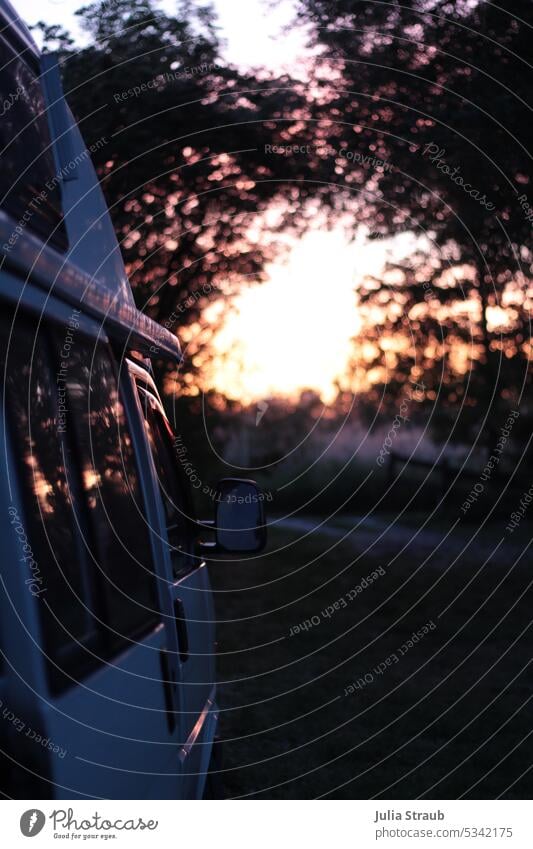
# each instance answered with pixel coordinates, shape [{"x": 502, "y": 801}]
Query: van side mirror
[{"x": 240, "y": 517}]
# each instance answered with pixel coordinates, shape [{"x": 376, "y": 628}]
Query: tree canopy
[
  {"x": 414, "y": 118},
  {"x": 185, "y": 165},
  {"x": 440, "y": 92}
]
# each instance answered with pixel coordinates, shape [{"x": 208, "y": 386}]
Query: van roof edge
[
  {"x": 17, "y": 25},
  {"x": 60, "y": 277}
]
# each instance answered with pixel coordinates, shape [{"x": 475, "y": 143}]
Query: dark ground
[{"x": 450, "y": 718}]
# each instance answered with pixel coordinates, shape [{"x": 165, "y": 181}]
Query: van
[{"x": 107, "y": 640}]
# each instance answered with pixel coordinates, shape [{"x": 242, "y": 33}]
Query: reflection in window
[
  {"x": 110, "y": 478},
  {"x": 48, "y": 498},
  {"x": 160, "y": 438}
]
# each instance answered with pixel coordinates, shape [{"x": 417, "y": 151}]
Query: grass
[{"x": 449, "y": 718}]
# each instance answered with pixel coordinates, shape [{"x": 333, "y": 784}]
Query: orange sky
[{"x": 293, "y": 331}]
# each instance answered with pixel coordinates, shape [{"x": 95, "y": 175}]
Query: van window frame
[
  {"x": 130, "y": 638},
  {"x": 74, "y": 653},
  {"x": 82, "y": 659},
  {"x": 145, "y": 386}
]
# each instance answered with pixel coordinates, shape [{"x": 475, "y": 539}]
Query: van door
[
  {"x": 190, "y": 590},
  {"x": 104, "y": 717}
]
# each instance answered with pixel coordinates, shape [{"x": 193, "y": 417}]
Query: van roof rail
[
  {"x": 18, "y": 29},
  {"x": 58, "y": 276}
]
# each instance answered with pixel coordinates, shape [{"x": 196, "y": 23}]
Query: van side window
[
  {"x": 30, "y": 189},
  {"x": 48, "y": 528},
  {"x": 160, "y": 438},
  {"x": 81, "y": 523},
  {"x": 123, "y": 557}
]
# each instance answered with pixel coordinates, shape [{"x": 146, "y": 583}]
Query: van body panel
[
  {"x": 117, "y": 730},
  {"x": 140, "y": 722},
  {"x": 114, "y": 730},
  {"x": 191, "y": 603}
]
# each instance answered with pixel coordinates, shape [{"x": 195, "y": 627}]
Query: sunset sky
[
  {"x": 281, "y": 337},
  {"x": 293, "y": 332},
  {"x": 251, "y": 30}
]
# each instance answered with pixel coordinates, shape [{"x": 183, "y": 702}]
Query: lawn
[{"x": 442, "y": 715}]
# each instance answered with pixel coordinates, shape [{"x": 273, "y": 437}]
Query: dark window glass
[
  {"x": 48, "y": 526},
  {"x": 123, "y": 552},
  {"x": 82, "y": 521},
  {"x": 175, "y": 505},
  {"x": 29, "y": 185}
]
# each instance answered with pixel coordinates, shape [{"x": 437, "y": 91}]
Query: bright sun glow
[{"x": 294, "y": 331}]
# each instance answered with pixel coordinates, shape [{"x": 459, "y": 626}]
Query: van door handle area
[{"x": 181, "y": 627}]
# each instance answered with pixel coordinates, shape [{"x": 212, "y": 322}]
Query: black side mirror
[{"x": 240, "y": 516}]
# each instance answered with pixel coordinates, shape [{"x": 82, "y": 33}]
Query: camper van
[{"x": 107, "y": 623}]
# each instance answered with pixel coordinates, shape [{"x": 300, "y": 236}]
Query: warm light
[
  {"x": 292, "y": 332},
  {"x": 295, "y": 330}
]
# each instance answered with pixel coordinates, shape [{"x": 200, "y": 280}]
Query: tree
[
  {"x": 185, "y": 165},
  {"x": 439, "y": 92}
]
